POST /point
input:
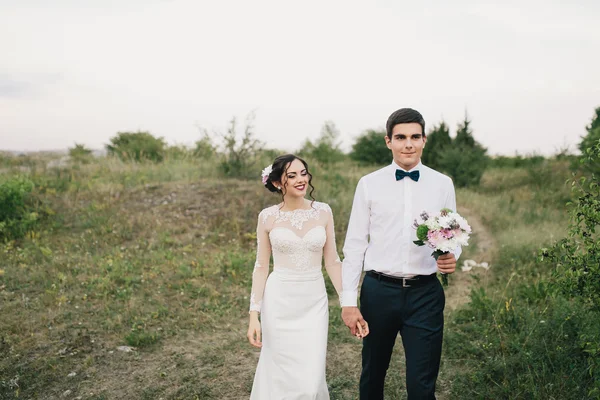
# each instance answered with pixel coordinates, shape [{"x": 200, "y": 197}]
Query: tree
[
  {"x": 327, "y": 148},
  {"x": 593, "y": 133},
  {"x": 464, "y": 134},
  {"x": 465, "y": 160},
  {"x": 370, "y": 148},
  {"x": 438, "y": 141},
  {"x": 240, "y": 155},
  {"x": 588, "y": 141},
  {"x": 205, "y": 148}
]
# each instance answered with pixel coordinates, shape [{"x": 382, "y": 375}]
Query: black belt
[{"x": 417, "y": 280}]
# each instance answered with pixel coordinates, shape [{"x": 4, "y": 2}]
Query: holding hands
[
  {"x": 351, "y": 316},
  {"x": 355, "y": 322}
]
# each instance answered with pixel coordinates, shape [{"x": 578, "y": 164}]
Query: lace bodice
[{"x": 298, "y": 240}]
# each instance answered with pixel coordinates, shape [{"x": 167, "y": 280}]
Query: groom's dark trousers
[{"x": 415, "y": 310}]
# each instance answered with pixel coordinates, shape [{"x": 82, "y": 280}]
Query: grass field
[{"x": 159, "y": 258}]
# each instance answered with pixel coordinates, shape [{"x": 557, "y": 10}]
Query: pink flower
[
  {"x": 447, "y": 233},
  {"x": 434, "y": 238}
]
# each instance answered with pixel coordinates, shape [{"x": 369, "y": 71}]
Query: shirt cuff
[{"x": 348, "y": 298}]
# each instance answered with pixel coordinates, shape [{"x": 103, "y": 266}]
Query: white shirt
[{"x": 380, "y": 232}]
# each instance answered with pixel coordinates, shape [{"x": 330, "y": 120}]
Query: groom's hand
[
  {"x": 353, "y": 319},
  {"x": 446, "y": 263}
]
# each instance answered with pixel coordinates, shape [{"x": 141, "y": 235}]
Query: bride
[{"x": 292, "y": 301}]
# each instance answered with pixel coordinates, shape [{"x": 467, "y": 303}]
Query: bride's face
[{"x": 295, "y": 179}]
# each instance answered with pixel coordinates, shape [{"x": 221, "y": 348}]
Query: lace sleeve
[
  {"x": 333, "y": 265},
  {"x": 261, "y": 266}
]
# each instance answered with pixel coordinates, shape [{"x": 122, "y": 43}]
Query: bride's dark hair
[{"x": 279, "y": 169}]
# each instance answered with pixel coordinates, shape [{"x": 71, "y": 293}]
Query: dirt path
[{"x": 483, "y": 249}]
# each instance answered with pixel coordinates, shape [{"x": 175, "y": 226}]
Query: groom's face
[{"x": 406, "y": 144}]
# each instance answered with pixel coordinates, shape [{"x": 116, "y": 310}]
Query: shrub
[
  {"x": 17, "y": 212},
  {"x": 205, "y": 149},
  {"x": 576, "y": 259},
  {"x": 327, "y": 148},
  {"x": 240, "y": 156},
  {"x": 464, "y": 165},
  {"x": 137, "y": 146},
  {"x": 438, "y": 142},
  {"x": 516, "y": 161},
  {"x": 465, "y": 159},
  {"x": 589, "y": 141},
  {"x": 177, "y": 152},
  {"x": 370, "y": 148},
  {"x": 80, "y": 153},
  {"x": 522, "y": 347}
]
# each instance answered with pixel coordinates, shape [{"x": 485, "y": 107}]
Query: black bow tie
[{"x": 414, "y": 175}]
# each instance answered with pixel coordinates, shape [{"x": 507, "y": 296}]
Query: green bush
[
  {"x": 438, "y": 142},
  {"x": 576, "y": 260},
  {"x": 80, "y": 153},
  {"x": 137, "y": 146},
  {"x": 517, "y": 161},
  {"x": 462, "y": 158},
  {"x": 178, "y": 152},
  {"x": 521, "y": 347},
  {"x": 17, "y": 212},
  {"x": 589, "y": 141},
  {"x": 5, "y": 159},
  {"x": 370, "y": 148},
  {"x": 593, "y": 133},
  {"x": 327, "y": 148},
  {"x": 464, "y": 165},
  {"x": 240, "y": 156},
  {"x": 205, "y": 149},
  {"x": 577, "y": 257}
]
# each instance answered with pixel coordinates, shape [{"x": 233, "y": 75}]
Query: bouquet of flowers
[{"x": 443, "y": 232}]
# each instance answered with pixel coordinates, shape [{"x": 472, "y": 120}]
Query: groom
[{"x": 400, "y": 292}]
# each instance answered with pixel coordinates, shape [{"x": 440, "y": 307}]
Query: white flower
[
  {"x": 469, "y": 263},
  {"x": 445, "y": 221},
  {"x": 432, "y": 223},
  {"x": 462, "y": 223},
  {"x": 462, "y": 238},
  {"x": 447, "y": 245},
  {"x": 265, "y": 173}
]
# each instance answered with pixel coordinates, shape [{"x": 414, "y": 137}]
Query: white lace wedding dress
[{"x": 293, "y": 302}]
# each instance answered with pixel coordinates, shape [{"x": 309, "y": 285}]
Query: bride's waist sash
[{"x": 288, "y": 274}]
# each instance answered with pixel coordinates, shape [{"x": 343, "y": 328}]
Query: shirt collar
[{"x": 416, "y": 167}]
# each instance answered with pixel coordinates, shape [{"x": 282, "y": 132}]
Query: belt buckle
[{"x": 404, "y": 282}]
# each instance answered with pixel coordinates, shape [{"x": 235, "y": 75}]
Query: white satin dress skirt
[{"x": 294, "y": 323}]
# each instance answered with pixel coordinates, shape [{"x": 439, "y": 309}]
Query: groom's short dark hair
[{"x": 404, "y": 116}]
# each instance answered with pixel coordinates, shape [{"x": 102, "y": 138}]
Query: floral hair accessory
[{"x": 265, "y": 174}]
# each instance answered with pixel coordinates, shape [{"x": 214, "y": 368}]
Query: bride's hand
[
  {"x": 362, "y": 330},
  {"x": 254, "y": 332}
]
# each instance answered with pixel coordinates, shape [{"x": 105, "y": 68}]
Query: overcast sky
[{"x": 80, "y": 71}]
